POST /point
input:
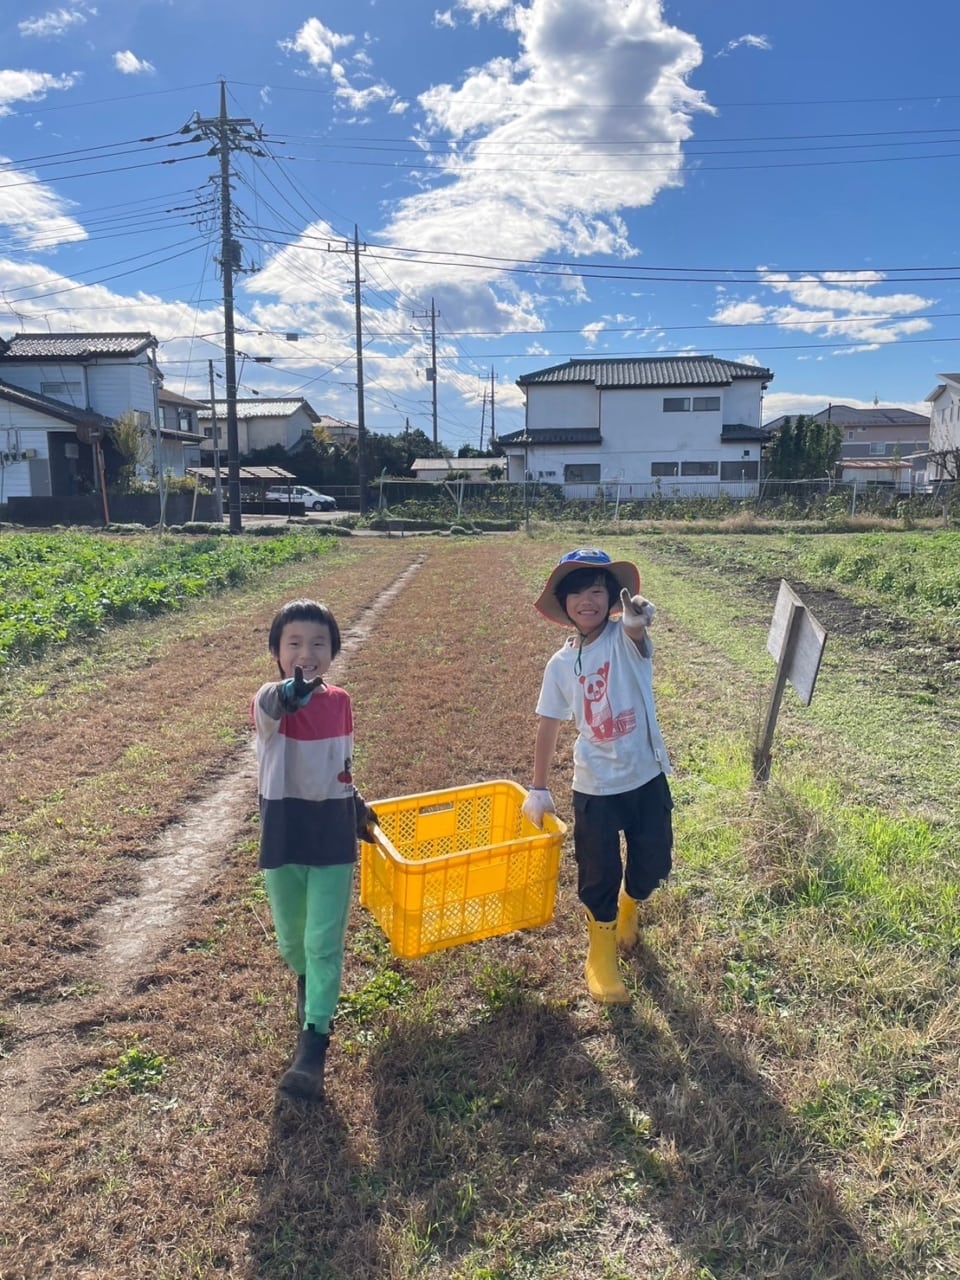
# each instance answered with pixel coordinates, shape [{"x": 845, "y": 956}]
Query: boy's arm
[
  {"x": 637, "y": 614},
  {"x": 539, "y": 800},
  {"x": 544, "y": 749}
]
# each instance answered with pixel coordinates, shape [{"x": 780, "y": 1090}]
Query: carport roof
[{"x": 255, "y": 475}]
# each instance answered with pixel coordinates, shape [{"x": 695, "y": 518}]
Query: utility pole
[
  {"x": 215, "y": 427},
  {"x": 361, "y": 424},
  {"x": 493, "y": 410},
  {"x": 361, "y": 418},
  {"x": 228, "y": 135},
  {"x": 432, "y": 371},
  {"x": 483, "y": 414}
]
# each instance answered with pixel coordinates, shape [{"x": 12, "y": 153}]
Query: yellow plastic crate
[{"x": 457, "y": 865}]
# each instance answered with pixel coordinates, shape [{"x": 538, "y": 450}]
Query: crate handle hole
[{"x": 436, "y": 808}]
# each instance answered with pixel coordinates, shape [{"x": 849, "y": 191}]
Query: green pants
[{"x": 310, "y": 906}]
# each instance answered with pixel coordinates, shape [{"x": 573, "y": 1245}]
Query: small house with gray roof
[
  {"x": 262, "y": 422},
  {"x": 635, "y": 428}
]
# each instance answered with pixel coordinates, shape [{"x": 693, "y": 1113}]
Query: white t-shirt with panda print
[{"x": 619, "y": 745}]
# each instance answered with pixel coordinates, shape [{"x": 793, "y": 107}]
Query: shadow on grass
[
  {"x": 539, "y": 1144},
  {"x": 746, "y": 1199},
  {"x": 313, "y": 1221}
]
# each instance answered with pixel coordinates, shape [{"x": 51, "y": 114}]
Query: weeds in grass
[{"x": 138, "y": 1069}]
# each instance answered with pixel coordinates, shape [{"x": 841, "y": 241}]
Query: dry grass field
[{"x": 779, "y": 1102}]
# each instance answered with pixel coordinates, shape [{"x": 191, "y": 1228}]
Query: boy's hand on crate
[
  {"x": 539, "y": 801},
  {"x": 638, "y": 613},
  {"x": 366, "y": 820}
]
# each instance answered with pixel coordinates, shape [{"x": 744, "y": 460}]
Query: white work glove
[
  {"x": 538, "y": 802},
  {"x": 638, "y": 614}
]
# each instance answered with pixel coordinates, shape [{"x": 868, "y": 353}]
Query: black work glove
[
  {"x": 296, "y": 693},
  {"x": 366, "y": 820}
]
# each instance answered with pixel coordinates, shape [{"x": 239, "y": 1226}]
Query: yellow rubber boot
[
  {"x": 601, "y": 970},
  {"x": 628, "y": 922}
]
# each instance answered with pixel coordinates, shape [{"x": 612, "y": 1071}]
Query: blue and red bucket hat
[{"x": 626, "y": 574}]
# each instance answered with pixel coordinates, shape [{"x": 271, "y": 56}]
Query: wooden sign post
[{"x": 796, "y": 642}]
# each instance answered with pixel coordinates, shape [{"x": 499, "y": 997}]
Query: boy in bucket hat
[{"x": 602, "y": 678}]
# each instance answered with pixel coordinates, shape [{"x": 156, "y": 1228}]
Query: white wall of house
[
  {"x": 24, "y": 459},
  {"x": 944, "y": 421},
  {"x": 109, "y": 387},
  {"x": 562, "y": 406}
]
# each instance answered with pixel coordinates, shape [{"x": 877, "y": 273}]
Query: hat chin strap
[{"x": 585, "y": 638}]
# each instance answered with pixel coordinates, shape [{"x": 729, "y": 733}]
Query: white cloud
[
  {"x": 55, "y": 23},
  {"x": 33, "y": 214},
  {"x": 538, "y": 153},
  {"x": 747, "y": 41},
  {"x": 319, "y": 44},
  {"x": 444, "y": 18},
  {"x": 590, "y": 332},
  {"x": 477, "y": 9},
  {"x": 130, "y": 65},
  {"x": 30, "y": 86},
  {"x": 833, "y": 304}
]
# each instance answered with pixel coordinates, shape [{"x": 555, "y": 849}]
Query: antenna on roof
[{"x": 876, "y": 399}]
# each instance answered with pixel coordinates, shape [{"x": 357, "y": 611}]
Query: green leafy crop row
[{"x": 56, "y": 588}]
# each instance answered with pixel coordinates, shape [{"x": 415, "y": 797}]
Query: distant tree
[
  {"x": 132, "y": 451},
  {"x": 947, "y": 463},
  {"x": 805, "y": 449}
]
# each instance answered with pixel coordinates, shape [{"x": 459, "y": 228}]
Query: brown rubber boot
[
  {"x": 602, "y": 974},
  {"x": 304, "y": 1077}
]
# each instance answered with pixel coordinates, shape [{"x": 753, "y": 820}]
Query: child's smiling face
[
  {"x": 305, "y": 644},
  {"x": 589, "y": 608}
]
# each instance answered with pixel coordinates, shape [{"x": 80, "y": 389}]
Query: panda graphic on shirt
[{"x": 602, "y": 723}]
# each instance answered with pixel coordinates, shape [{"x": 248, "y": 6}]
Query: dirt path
[{"x": 132, "y": 930}]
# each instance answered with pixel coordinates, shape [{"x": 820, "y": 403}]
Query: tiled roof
[
  {"x": 259, "y": 408},
  {"x": 740, "y": 431},
  {"x": 75, "y": 346},
  {"x": 173, "y": 397},
  {"x": 664, "y": 371},
  {"x": 844, "y": 415},
  {"x": 542, "y": 435},
  {"x": 51, "y": 408}
]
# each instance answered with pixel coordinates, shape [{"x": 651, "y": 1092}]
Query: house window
[
  {"x": 743, "y": 470},
  {"x": 183, "y": 420},
  {"x": 706, "y": 404},
  {"x": 208, "y": 432},
  {"x": 581, "y": 473},
  {"x": 850, "y": 435},
  {"x": 878, "y": 447},
  {"x": 70, "y": 391},
  {"x": 676, "y": 404},
  {"x": 664, "y": 468},
  {"x": 698, "y": 468}
]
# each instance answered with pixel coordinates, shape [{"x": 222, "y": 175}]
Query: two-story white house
[
  {"x": 944, "y": 401},
  {"x": 60, "y": 391},
  {"x": 638, "y": 427}
]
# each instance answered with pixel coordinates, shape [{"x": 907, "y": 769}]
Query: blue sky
[{"x": 765, "y": 181}]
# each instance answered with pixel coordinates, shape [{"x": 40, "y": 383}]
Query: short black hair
[
  {"x": 584, "y": 577},
  {"x": 302, "y": 611}
]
